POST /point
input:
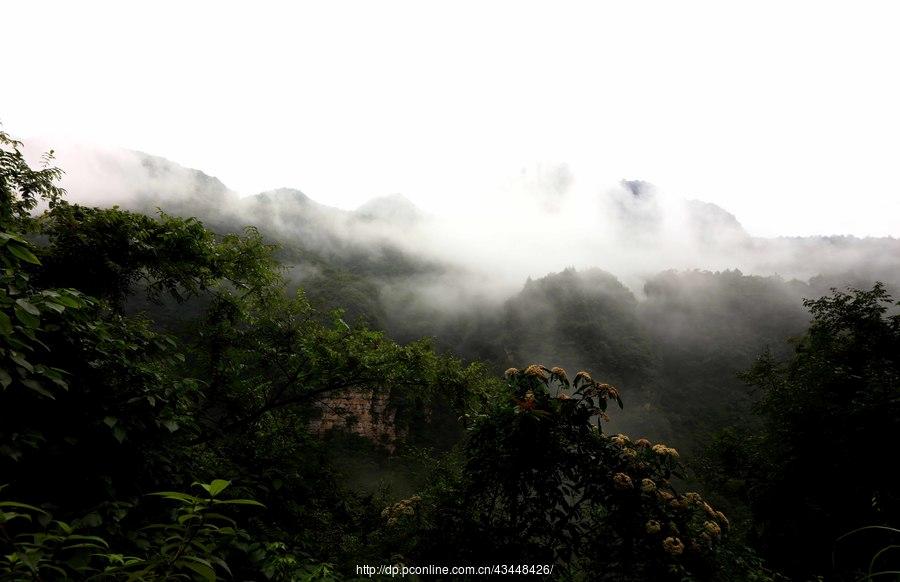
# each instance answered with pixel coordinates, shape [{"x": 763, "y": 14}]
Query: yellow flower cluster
[
  {"x": 712, "y": 528},
  {"x": 511, "y": 372},
  {"x": 622, "y": 481},
  {"x": 692, "y": 498},
  {"x": 714, "y": 514},
  {"x": 621, "y": 440},
  {"x": 559, "y": 373},
  {"x": 404, "y": 507},
  {"x": 583, "y": 375},
  {"x": 673, "y": 546},
  {"x": 643, "y": 443},
  {"x": 664, "y": 451},
  {"x": 536, "y": 371},
  {"x": 722, "y": 519}
]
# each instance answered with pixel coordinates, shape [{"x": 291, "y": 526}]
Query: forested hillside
[{"x": 161, "y": 371}]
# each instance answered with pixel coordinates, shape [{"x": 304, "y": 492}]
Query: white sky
[{"x": 785, "y": 113}]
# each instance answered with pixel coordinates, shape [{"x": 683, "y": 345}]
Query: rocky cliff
[{"x": 361, "y": 411}]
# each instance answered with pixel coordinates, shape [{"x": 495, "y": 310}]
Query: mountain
[
  {"x": 180, "y": 190},
  {"x": 97, "y": 176},
  {"x": 641, "y": 227},
  {"x": 426, "y": 260},
  {"x": 673, "y": 340},
  {"x": 393, "y": 209},
  {"x": 712, "y": 224}
]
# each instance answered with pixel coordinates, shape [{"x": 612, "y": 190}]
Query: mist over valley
[
  {"x": 666, "y": 298},
  {"x": 340, "y": 291}
]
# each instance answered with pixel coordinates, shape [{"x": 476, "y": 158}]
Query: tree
[
  {"x": 822, "y": 464},
  {"x": 99, "y": 406},
  {"x": 21, "y": 186},
  {"x": 111, "y": 254},
  {"x": 541, "y": 484}
]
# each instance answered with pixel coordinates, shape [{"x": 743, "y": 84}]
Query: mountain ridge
[{"x": 642, "y": 227}]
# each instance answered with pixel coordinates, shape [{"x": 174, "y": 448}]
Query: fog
[
  {"x": 668, "y": 298},
  {"x": 793, "y": 133},
  {"x": 542, "y": 219},
  {"x": 696, "y": 203}
]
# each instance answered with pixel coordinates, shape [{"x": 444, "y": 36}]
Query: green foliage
[
  {"x": 705, "y": 328},
  {"x": 189, "y": 547},
  {"x": 100, "y": 399},
  {"x": 816, "y": 468},
  {"x": 266, "y": 352},
  {"x": 588, "y": 318},
  {"x": 677, "y": 351},
  {"x": 54, "y": 551},
  {"x": 22, "y": 187},
  {"x": 105, "y": 397},
  {"x": 77, "y": 381},
  {"x": 26, "y": 315},
  {"x": 107, "y": 252},
  {"x": 277, "y": 562},
  {"x": 541, "y": 483}
]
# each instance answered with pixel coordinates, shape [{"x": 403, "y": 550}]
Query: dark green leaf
[
  {"x": 23, "y": 253},
  {"x": 20, "y": 360},
  {"x": 68, "y": 301},
  {"x": 37, "y": 387},
  {"x": 199, "y": 566},
  {"x": 28, "y": 306},
  {"x": 54, "y": 306},
  {"x": 27, "y": 318},
  {"x": 239, "y": 502},
  {"x": 6, "y": 327},
  {"x": 18, "y": 505},
  {"x": 176, "y": 496}
]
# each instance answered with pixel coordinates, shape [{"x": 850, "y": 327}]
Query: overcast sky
[{"x": 787, "y": 114}]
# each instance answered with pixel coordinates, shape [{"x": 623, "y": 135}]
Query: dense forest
[{"x": 175, "y": 382}]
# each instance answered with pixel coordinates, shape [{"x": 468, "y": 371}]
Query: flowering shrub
[
  {"x": 403, "y": 509},
  {"x": 544, "y": 483}
]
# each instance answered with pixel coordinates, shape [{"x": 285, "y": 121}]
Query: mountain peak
[
  {"x": 639, "y": 188},
  {"x": 392, "y": 208},
  {"x": 283, "y": 195}
]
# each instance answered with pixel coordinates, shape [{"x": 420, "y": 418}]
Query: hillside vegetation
[{"x": 158, "y": 379}]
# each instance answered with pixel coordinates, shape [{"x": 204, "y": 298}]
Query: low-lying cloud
[{"x": 542, "y": 220}]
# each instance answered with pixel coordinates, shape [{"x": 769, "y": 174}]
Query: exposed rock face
[{"x": 361, "y": 411}]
